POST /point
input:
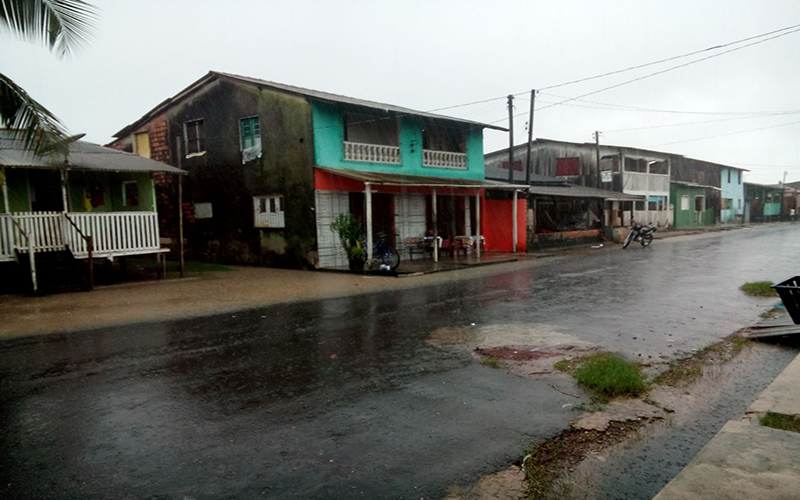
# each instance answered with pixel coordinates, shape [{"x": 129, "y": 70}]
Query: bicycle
[{"x": 385, "y": 253}]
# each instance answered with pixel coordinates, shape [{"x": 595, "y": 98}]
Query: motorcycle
[{"x": 641, "y": 233}]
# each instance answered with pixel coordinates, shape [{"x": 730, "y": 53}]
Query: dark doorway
[
  {"x": 45, "y": 190},
  {"x": 382, "y": 213}
]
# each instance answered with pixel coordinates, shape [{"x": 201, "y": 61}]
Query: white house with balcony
[{"x": 94, "y": 203}]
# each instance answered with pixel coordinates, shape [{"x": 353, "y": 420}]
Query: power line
[
  {"x": 724, "y": 135},
  {"x": 695, "y": 122},
  {"x": 689, "y": 54},
  {"x": 623, "y": 107},
  {"x": 650, "y": 75}
]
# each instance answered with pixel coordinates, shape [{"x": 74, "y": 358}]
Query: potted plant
[{"x": 350, "y": 232}]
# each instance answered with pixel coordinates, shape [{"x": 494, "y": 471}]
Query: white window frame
[
  {"x": 269, "y": 211},
  {"x": 186, "y": 137},
  {"x": 685, "y": 202},
  {"x": 703, "y": 205}
]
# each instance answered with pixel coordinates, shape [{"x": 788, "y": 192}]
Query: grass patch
[
  {"x": 563, "y": 365},
  {"x": 759, "y": 289},
  {"x": 609, "y": 375},
  {"x": 780, "y": 421},
  {"x": 772, "y": 313},
  {"x": 493, "y": 363}
]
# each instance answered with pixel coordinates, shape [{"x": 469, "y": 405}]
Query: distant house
[
  {"x": 762, "y": 203},
  {"x": 51, "y": 207},
  {"x": 272, "y": 165},
  {"x": 675, "y": 191}
]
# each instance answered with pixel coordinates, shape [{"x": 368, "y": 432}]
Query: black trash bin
[{"x": 789, "y": 292}]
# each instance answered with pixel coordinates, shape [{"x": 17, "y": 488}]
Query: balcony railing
[
  {"x": 641, "y": 182},
  {"x": 444, "y": 159},
  {"x": 114, "y": 233},
  {"x": 373, "y": 153}
]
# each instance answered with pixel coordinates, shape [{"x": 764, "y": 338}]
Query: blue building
[{"x": 732, "y": 196}]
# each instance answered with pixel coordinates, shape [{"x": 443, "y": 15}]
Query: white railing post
[{"x": 32, "y": 262}]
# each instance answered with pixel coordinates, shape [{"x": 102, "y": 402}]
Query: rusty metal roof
[
  {"x": 292, "y": 89},
  {"x": 82, "y": 155}
]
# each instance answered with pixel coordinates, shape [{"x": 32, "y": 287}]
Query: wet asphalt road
[{"x": 344, "y": 398}]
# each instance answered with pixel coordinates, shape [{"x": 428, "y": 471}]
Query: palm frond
[
  {"x": 64, "y": 26},
  {"x": 37, "y": 128}
]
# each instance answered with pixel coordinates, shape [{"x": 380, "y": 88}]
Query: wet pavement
[{"x": 345, "y": 398}]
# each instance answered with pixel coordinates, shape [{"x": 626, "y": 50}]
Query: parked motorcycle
[{"x": 641, "y": 233}]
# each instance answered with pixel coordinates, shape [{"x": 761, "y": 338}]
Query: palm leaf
[
  {"x": 64, "y": 26},
  {"x": 37, "y": 128}
]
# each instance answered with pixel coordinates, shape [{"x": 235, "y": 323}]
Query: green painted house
[
  {"x": 693, "y": 207},
  {"x": 762, "y": 203},
  {"x": 95, "y": 202}
]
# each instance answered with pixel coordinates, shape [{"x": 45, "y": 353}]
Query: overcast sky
[{"x": 431, "y": 54}]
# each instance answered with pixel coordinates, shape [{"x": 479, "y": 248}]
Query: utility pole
[
  {"x": 597, "y": 154},
  {"x": 510, "y": 138},
  {"x": 530, "y": 139}
]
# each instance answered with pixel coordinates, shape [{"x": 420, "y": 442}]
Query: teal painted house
[
  {"x": 762, "y": 203},
  {"x": 732, "y": 196},
  {"x": 272, "y": 165}
]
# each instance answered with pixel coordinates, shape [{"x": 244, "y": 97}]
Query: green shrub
[{"x": 609, "y": 375}]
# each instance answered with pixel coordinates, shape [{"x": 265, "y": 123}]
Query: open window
[
  {"x": 699, "y": 203},
  {"x": 369, "y": 129},
  {"x": 195, "y": 136},
  {"x": 250, "y": 138},
  {"x": 441, "y": 138},
  {"x": 268, "y": 211},
  {"x": 130, "y": 193}
]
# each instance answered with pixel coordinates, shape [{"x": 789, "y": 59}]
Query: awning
[
  {"x": 82, "y": 156},
  {"x": 401, "y": 180},
  {"x": 575, "y": 191}
]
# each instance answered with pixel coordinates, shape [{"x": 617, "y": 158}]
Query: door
[
  {"x": 409, "y": 218},
  {"x": 44, "y": 190},
  {"x": 329, "y": 205}
]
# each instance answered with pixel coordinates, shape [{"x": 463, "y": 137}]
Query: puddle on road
[{"x": 525, "y": 348}]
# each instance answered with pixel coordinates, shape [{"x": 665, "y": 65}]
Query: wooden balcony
[
  {"x": 444, "y": 159},
  {"x": 372, "y": 153},
  {"x": 113, "y": 233}
]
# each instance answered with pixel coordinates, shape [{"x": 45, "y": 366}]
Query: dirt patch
[
  {"x": 685, "y": 371},
  {"x": 548, "y": 465},
  {"x": 504, "y": 485}
]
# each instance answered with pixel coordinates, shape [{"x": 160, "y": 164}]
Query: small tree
[{"x": 350, "y": 232}]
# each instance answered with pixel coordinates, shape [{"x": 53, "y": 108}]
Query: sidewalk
[
  {"x": 212, "y": 293},
  {"x": 746, "y": 459}
]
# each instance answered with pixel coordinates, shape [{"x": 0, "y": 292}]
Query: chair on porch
[{"x": 415, "y": 244}]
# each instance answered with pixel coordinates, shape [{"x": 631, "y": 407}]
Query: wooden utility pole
[
  {"x": 510, "y": 138},
  {"x": 530, "y": 139},
  {"x": 597, "y": 154},
  {"x": 179, "y": 163}
]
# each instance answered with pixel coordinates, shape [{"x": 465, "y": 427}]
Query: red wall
[{"x": 496, "y": 223}]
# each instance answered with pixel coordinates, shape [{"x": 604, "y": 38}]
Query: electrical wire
[
  {"x": 673, "y": 58},
  {"x": 724, "y": 135}
]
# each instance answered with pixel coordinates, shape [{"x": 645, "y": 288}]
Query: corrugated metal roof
[
  {"x": 310, "y": 93},
  {"x": 386, "y": 179},
  {"x": 82, "y": 155},
  {"x": 695, "y": 184},
  {"x": 574, "y": 191}
]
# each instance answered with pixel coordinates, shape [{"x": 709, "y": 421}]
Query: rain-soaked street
[{"x": 347, "y": 398}]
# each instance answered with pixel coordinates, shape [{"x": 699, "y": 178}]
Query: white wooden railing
[
  {"x": 645, "y": 183},
  {"x": 6, "y": 238},
  {"x": 374, "y": 153},
  {"x": 444, "y": 159},
  {"x": 113, "y": 233}
]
